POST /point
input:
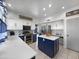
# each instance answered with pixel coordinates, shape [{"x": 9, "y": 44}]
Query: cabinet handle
[{"x": 43, "y": 39}]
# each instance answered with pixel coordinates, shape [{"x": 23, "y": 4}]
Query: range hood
[{"x": 25, "y": 17}]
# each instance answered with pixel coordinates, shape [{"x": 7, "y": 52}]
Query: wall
[
  {"x": 35, "y": 21},
  {"x": 56, "y": 26},
  {"x": 15, "y": 23}
]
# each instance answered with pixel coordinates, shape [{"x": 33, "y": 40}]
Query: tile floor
[{"x": 62, "y": 54}]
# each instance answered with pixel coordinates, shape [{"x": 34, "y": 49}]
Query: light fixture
[
  {"x": 9, "y": 4},
  {"x": 44, "y": 9},
  {"x": 63, "y": 7},
  {"x": 50, "y": 5}
]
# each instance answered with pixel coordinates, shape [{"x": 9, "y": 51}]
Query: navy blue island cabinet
[{"x": 49, "y": 47}]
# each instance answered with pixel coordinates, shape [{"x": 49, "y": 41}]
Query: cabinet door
[
  {"x": 40, "y": 43},
  {"x": 56, "y": 45},
  {"x": 34, "y": 37},
  {"x": 49, "y": 47},
  {"x": 4, "y": 27},
  {"x": 0, "y": 27}
]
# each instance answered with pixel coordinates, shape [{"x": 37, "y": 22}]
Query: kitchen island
[
  {"x": 49, "y": 45},
  {"x": 16, "y": 49}
]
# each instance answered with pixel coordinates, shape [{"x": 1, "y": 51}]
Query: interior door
[{"x": 73, "y": 34}]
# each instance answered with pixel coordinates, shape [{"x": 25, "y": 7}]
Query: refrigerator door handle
[{"x": 67, "y": 35}]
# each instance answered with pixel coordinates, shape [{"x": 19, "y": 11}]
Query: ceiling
[{"x": 34, "y": 8}]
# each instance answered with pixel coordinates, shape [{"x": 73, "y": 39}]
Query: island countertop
[
  {"x": 16, "y": 49},
  {"x": 49, "y": 37}
]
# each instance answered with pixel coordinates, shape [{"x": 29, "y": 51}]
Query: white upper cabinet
[{"x": 58, "y": 25}]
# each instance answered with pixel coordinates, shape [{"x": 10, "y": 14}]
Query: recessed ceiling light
[
  {"x": 9, "y": 4},
  {"x": 50, "y": 5},
  {"x": 63, "y": 7},
  {"x": 44, "y": 9}
]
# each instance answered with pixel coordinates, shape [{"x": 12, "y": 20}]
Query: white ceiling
[{"x": 34, "y": 8}]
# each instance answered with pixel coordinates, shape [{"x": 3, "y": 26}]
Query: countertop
[
  {"x": 49, "y": 37},
  {"x": 16, "y": 49}
]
